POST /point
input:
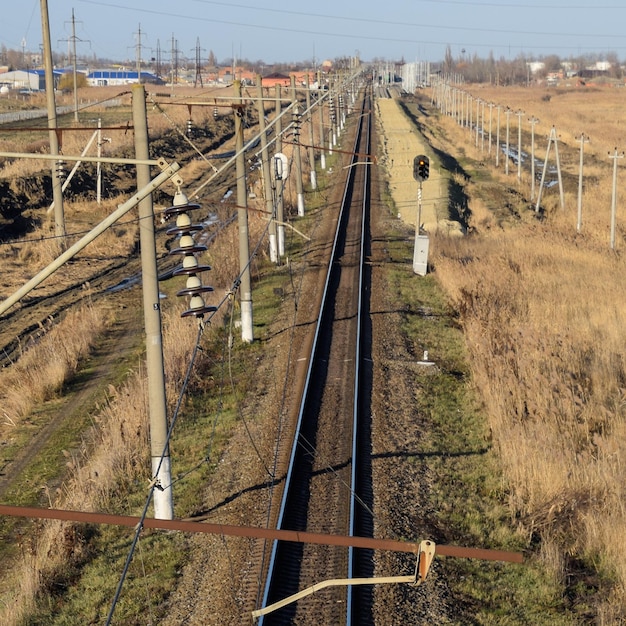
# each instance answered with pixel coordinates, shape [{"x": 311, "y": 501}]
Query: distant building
[
  {"x": 116, "y": 77},
  {"x": 276, "y": 78},
  {"x": 32, "y": 80}
]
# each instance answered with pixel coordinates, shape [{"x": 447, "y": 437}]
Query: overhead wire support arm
[
  {"x": 85, "y": 159},
  {"x": 425, "y": 555},
  {"x": 168, "y": 171}
]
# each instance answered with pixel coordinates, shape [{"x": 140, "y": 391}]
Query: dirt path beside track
[{"x": 401, "y": 142}]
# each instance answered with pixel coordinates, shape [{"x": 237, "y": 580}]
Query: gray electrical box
[{"x": 420, "y": 255}]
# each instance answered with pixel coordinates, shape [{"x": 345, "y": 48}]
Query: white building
[{"x": 31, "y": 80}]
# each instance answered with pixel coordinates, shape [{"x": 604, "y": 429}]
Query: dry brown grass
[
  {"x": 544, "y": 309},
  {"x": 118, "y": 452},
  {"x": 52, "y": 357}
]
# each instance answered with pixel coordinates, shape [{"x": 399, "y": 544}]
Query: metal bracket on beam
[{"x": 425, "y": 555}]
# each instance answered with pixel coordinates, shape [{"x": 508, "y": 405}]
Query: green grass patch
[{"x": 468, "y": 498}]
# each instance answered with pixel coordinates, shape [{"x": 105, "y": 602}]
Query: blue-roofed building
[{"x": 101, "y": 78}]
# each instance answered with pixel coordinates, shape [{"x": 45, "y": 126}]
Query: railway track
[{"x": 328, "y": 481}]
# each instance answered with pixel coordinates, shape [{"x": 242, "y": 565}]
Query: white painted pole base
[
  {"x": 313, "y": 179},
  {"x": 247, "y": 333},
  {"x": 273, "y": 249},
  {"x": 281, "y": 240},
  {"x": 323, "y": 161},
  {"x": 162, "y": 498},
  {"x": 300, "y": 204}
]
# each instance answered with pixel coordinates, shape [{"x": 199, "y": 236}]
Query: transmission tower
[
  {"x": 158, "y": 58},
  {"x": 174, "y": 58},
  {"x": 198, "y": 65},
  {"x": 71, "y": 47},
  {"x": 138, "y": 48}
]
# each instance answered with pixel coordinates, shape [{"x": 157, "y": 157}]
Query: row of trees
[
  {"x": 20, "y": 59},
  {"x": 518, "y": 70}
]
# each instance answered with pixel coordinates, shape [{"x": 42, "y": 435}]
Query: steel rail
[
  {"x": 307, "y": 383},
  {"x": 365, "y": 119}
]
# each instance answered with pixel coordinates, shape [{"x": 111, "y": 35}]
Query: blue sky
[{"x": 281, "y": 30}]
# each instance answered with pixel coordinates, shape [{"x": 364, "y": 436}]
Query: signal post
[{"x": 421, "y": 171}]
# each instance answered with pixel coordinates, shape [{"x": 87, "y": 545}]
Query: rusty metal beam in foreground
[{"x": 257, "y": 533}]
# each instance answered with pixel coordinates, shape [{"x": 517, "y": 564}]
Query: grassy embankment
[{"x": 543, "y": 311}]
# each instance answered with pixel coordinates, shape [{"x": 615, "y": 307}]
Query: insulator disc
[
  {"x": 194, "y": 291},
  {"x": 183, "y": 208},
  {"x": 188, "y": 271},
  {"x": 189, "y": 250},
  {"x": 198, "y": 312},
  {"x": 181, "y": 230}
]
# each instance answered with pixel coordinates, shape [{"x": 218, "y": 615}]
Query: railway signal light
[{"x": 421, "y": 167}]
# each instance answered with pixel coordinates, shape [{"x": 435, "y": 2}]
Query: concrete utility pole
[
  {"x": 280, "y": 205},
  {"x": 519, "y": 144},
  {"x": 482, "y": 126},
  {"x": 296, "y": 148},
  {"x": 579, "y": 221},
  {"x": 321, "y": 122},
  {"x": 267, "y": 175},
  {"x": 478, "y": 101},
  {"x": 159, "y": 450},
  {"x": 616, "y": 155},
  {"x": 508, "y": 143},
  {"x": 311, "y": 134},
  {"x": 551, "y": 138},
  {"x": 491, "y": 105},
  {"x": 498, "y": 137},
  {"x": 533, "y": 120},
  {"x": 245, "y": 287},
  {"x": 57, "y": 185}
]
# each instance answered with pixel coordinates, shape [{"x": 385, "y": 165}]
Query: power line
[{"x": 370, "y": 37}]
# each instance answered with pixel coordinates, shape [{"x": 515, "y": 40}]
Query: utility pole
[
  {"x": 311, "y": 134},
  {"x": 533, "y": 120},
  {"x": 506, "y": 163},
  {"x": 491, "y": 105},
  {"x": 57, "y": 185},
  {"x": 267, "y": 176},
  {"x": 320, "y": 106},
  {"x": 245, "y": 288},
  {"x": 519, "y": 144},
  {"x": 498, "y": 137},
  {"x": 616, "y": 155},
  {"x": 482, "y": 126},
  {"x": 579, "y": 221},
  {"x": 159, "y": 449},
  {"x": 551, "y": 138},
  {"x": 280, "y": 204},
  {"x": 296, "y": 148},
  {"x": 478, "y": 101}
]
